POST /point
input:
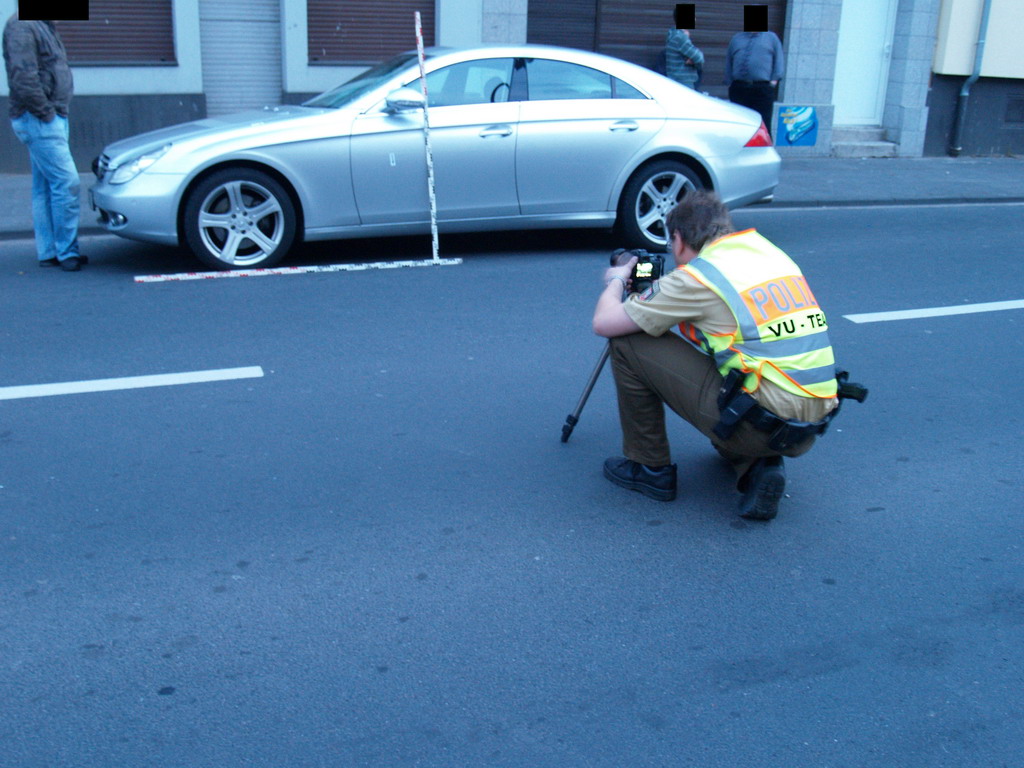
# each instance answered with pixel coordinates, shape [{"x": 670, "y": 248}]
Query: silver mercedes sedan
[{"x": 521, "y": 137}]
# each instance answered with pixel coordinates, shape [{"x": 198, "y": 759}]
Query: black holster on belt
[{"x": 735, "y": 405}]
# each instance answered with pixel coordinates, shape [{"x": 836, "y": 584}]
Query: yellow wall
[{"x": 958, "y": 34}]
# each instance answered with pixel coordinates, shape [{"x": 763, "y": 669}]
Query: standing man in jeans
[{"x": 41, "y": 86}]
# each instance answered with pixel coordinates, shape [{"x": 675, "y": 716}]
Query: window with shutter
[
  {"x": 365, "y": 31},
  {"x": 120, "y": 33}
]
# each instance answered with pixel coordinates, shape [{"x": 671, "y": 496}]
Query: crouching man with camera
[{"x": 752, "y": 367}]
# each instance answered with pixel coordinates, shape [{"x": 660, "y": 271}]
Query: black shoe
[
  {"x": 50, "y": 262},
  {"x": 766, "y": 482},
  {"x": 74, "y": 263},
  {"x": 657, "y": 483}
]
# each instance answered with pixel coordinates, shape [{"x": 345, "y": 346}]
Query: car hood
[{"x": 238, "y": 125}]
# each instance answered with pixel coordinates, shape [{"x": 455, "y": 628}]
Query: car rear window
[{"x": 549, "y": 80}]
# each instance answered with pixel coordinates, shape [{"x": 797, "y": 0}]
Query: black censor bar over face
[
  {"x": 53, "y": 10},
  {"x": 755, "y": 18},
  {"x": 686, "y": 16}
]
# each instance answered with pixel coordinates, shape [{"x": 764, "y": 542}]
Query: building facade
[
  {"x": 882, "y": 77},
  {"x": 978, "y": 75}
]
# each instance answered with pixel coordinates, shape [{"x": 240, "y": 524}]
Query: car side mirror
[{"x": 404, "y": 99}]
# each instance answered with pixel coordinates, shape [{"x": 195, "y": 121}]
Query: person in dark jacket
[{"x": 41, "y": 87}]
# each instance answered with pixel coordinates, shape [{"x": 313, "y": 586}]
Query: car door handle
[
  {"x": 623, "y": 125},
  {"x": 496, "y": 130}
]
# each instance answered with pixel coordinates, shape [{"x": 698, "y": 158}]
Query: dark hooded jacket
[{"x": 38, "y": 74}]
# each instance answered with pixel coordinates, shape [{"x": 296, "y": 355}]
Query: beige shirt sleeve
[{"x": 679, "y": 297}]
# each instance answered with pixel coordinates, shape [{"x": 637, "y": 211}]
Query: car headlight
[{"x": 129, "y": 170}]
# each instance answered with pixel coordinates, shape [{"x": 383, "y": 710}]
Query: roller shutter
[
  {"x": 635, "y": 30},
  {"x": 361, "y": 32},
  {"x": 241, "y": 52},
  {"x": 119, "y": 33},
  {"x": 570, "y": 23}
]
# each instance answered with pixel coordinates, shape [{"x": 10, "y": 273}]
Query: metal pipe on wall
[{"x": 956, "y": 143}]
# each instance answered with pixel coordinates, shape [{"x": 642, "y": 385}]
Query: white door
[{"x": 862, "y": 61}]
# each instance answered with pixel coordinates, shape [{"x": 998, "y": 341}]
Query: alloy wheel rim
[
  {"x": 659, "y": 195},
  {"x": 241, "y": 222}
]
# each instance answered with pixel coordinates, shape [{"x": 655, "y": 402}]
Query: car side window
[
  {"x": 486, "y": 81},
  {"x": 623, "y": 90},
  {"x": 561, "y": 80}
]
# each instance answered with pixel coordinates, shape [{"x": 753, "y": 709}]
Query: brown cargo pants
[{"x": 666, "y": 369}]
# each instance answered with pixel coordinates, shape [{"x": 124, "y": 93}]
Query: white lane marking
[
  {"x": 294, "y": 270},
  {"x": 129, "y": 382},
  {"x": 911, "y": 314}
]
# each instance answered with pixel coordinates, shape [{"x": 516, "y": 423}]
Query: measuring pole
[{"x": 426, "y": 138}]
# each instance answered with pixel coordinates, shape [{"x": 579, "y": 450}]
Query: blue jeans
[{"x": 55, "y": 185}]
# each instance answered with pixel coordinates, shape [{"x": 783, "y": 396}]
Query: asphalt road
[{"x": 379, "y": 553}]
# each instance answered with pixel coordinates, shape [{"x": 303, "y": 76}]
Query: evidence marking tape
[{"x": 294, "y": 270}]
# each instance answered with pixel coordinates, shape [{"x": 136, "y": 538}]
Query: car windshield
[{"x": 361, "y": 83}]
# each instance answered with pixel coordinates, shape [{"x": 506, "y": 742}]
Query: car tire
[
  {"x": 239, "y": 218},
  {"x": 647, "y": 198}
]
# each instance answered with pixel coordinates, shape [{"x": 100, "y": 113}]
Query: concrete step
[
  {"x": 863, "y": 149},
  {"x": 856, "y": 133}
]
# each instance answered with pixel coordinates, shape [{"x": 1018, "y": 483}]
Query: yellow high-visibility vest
[{"x": 781, "y": 333}]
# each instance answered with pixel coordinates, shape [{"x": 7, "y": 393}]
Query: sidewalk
[
  {"x": 16, "y": 211},
  {"x": 804, "y": 182},
  {"x": 866, "y": 181}
]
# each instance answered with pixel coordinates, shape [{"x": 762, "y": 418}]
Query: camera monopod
[
  {"x": 573, "y": 418},
  {"x": 651, "y": 266}
]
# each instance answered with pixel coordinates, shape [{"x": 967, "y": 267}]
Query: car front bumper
[{"x": 145, "y": 208}]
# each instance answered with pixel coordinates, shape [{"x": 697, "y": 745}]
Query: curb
[
  {"x": 28, "y": 234},
  {"x": 919, "y": 202}
]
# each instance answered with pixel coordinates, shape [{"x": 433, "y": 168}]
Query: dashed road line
[
  {"x": 913, "y": 314},
  {"x": 129, "y": 382}
]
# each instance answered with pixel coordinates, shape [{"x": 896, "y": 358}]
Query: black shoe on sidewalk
[
  {"x": 74, "y": 263},
  {"x": 766, "y": 482},
  {"x": 657, "y": 483},
  {"x": 50, "y": 262}
]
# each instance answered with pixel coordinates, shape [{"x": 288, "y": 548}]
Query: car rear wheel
[
  {"x": 649, "y": 195},
  {"x": 239, "y": 218}
]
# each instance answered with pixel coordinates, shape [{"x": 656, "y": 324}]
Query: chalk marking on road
[
  {"x": 912, "y": 314},
  {"x": 294, "y": 270},
  {"x": 129, "y": 382}
]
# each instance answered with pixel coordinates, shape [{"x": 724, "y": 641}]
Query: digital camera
[{"x": 648, "y": 268}]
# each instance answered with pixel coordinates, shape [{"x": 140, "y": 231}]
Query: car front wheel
[
  {"x": 649, "y": 195},
  {"x": 239, "y": 218}
]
